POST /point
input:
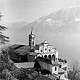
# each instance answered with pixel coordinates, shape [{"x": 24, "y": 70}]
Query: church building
[
  {"x": 43, "y": 49},
  {"x": 47, "y": 57}
]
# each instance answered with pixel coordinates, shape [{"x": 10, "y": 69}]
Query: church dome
[{"x": 45, "y": 42}]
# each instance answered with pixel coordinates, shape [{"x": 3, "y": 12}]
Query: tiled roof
[
  {"x": 21, "y": 49},
  {"x": 24, "y": 49},
  {"x": 33, "y": 53},
  {"x": 48, "y": 61},
  {"x": 14, "y": 46},
  {"x": 43, "y": 60}
]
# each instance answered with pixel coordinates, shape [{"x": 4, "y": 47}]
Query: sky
[{"x": 31, "y": 10}]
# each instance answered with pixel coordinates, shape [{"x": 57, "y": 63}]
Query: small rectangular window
[{"x": 55, "y": 68}]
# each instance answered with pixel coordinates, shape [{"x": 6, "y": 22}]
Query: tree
[
  {"x": 75, "y": 69},
  {"x": 3, "y": 39}
]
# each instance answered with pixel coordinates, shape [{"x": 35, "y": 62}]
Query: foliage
[
  {"x": 8, "y": 71},
  {"x": 26, "y": 74},
  {"x": 3, "y": 39},
  {"x": 75, "y": 69},
  {"x": 6, "y": 65}
]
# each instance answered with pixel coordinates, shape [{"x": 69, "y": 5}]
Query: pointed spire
[{"x": 32, "y": 30}]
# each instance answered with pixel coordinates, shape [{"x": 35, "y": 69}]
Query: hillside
[{"x": 13, "y": 27}]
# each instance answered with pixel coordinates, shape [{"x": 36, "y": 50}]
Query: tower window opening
[
  {"x": 45, "y": 49},
  {"x": 41, "y": 50},
  {"x": 49, "y": 50}
]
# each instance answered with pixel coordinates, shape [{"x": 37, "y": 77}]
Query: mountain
[
  {"x": 61, "y": 29},
  {"x": 13, "y": 27}
]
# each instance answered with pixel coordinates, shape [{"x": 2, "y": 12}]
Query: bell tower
[{"x": 32, "y": 40}]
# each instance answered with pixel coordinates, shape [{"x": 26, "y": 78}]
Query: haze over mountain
[
  {"x": 61, "y": 29},
  {"x": 13, "y": 27}
]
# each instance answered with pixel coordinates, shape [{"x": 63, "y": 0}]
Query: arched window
[
  {"x": 53, "y": 57},
  {"x": 49, "y": 50},
  {"x": 60, "y": 66},
  {"x": 55, "y": 68},
  {"x": 39, "y": 55},
  {"x": 49, "y": 56},
  {"x": 45, "y": 56}
]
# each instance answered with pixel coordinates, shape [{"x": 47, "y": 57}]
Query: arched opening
[
  {"x": 45, "y": 56},
  {"x": 49, "y": 57},
  {"x": 53, "y": 57},
  {"x": 42, "y": 56},
  {"x": 39, "y": 55}
]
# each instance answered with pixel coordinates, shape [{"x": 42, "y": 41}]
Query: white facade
[
  {"x": 65, "y": 68},
  {"x": 55, "y": 69},
  {"x": 48, "y": 50},
  {"x": 51, "y": 67}
]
